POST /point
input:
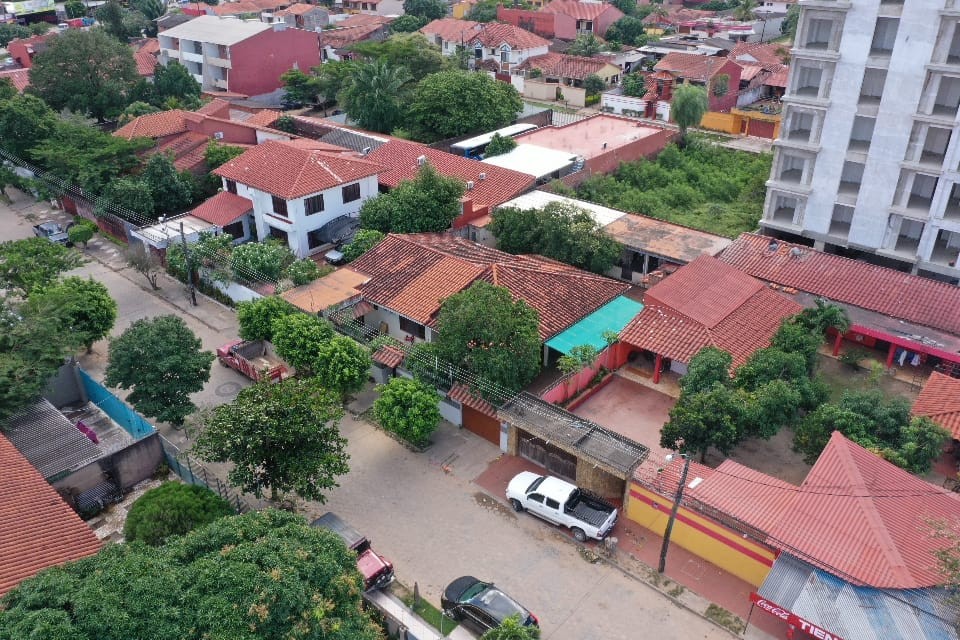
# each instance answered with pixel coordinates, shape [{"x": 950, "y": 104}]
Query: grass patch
[
  {"x": 430, "y": 614},
  {"x": 725, "y": 619}
]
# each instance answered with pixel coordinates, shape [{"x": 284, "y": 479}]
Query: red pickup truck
[
  {"x": 254, "y": 359},
  {"x": 376, "y": 570}
]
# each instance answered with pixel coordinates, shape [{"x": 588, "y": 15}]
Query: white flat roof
[
  {"x": 217, "y": 30},
  {"x": 539, "y": 199},
  {"x": 534, "y": 160},
  {"x": 162, "y": 233},
  {"x": 485, "y": 138}
]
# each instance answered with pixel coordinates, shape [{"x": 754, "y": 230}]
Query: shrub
[
  {"x": 81, "y": 231},
  {"x": 172, "y": 509},
  {"x": 408, "y": 408},
  {"x": 303, "y": 271}
]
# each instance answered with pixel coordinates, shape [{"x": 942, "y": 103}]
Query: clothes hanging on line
[{"x": 915, "y": 360}]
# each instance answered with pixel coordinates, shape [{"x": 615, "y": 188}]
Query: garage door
[
  {"x": 481, "y": 424},
  {"x": 554, "y": 460}
]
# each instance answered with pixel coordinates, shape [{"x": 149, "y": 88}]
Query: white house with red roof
[
  {"x": 305, "y": 192},
  {"x": 495, "y": 46}
]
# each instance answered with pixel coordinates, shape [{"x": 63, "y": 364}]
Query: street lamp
[{"x": 676, "y": 506}]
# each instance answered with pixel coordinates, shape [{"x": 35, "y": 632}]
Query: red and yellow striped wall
[{"x": 702, "y": 536}]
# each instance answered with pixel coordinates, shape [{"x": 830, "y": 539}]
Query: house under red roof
[
  {"x": 37, "y": 528},
  {"x": 413, "y": 274},
  {"x": 495, "y": 34},
  {"x": 19, "y": 78},
  {"x": 223, "y": 209},
  {"x": 450, "y": 30},
  {"x": 707, "y": 303},
  {"x": 939, "y": 400},
  {"x": 583, "y": 10}
]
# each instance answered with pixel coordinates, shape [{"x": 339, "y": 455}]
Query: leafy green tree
[
  {"x": 172, "y": 191},
  {"x": 789, "y": 25},
  {"x": 586, "y": 45},
  {"x": 283, "y": 435},
  {"x": 823, "y": 316},
  {"x": 257, "y": 260},
  {"x": 121, "y": 23},
  {"x": 33, "y": 263},
  {"x": 579, "y": 358},
  {"x": 499, "y": 145},
  {"x": 300, "y": 87},
  {"x": 429, "y": 202},
  {"x": 706, "y": 419},
  {"x": 512, "y": 629},
  {"x": 87, "y": 72},
  {"x": 161, "y": 360},
  {"x": 560, "y": 231},
  {"x": 83, "y": 308},
  {"x": 627, "y": 30},
  {"x": 11, "y": 31},
  {"x": 408, "y": 408},
  {"x": 411, "y": 51},
  {"x": 453, "y": 103},
  {"x": 131, "y": 194},
  {"x": 628, "y": 7},
  {"x": 766, "y": 365},
  {"x": 173, "y": 80},
  {"x": 921, "y": 443},
  {"x": 363, "y": 241},
  {"x": 488, "y": 332},
  {"x": 7, "y": 90},
  {"x": 151, "y": 10},
  {"x": 302, "y": 272},
  {"x": 75, "y": 9},
  {"x": 298, "y": 338},
  {"x": 136, "y": 109},
  {"x": 427, "y": 9},
  {"x": 484, "y": 11},
  {"x": 407, "y": 24},
  {"x": 342, "y": 365},
  {"x": 172, "y": 509},
  {"x": 744, "y": 10},
  {"x": 25, "y": 122},
  {"x": 710, "y": 366},
  {"x": 374, "y": 97},
  {"x": 793, "y": 337},
  {"x": 257, "y": 317},
  {"x": 261, "y": 575},
  {"x": 688, "y": 106},
  {"x": 210, "y": 251},
  {"x": 594, "y": 84},
  {"x": 215, "y": 155}
]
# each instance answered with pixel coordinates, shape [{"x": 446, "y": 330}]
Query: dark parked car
[
  {"x": 376, "y": 570},
  {"x": 481, "y": 605}
]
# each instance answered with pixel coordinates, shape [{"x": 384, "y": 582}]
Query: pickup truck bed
[{"x": 591, "y": 509}]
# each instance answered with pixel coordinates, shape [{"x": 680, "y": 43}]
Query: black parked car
[{"x": 481, "y": 606}]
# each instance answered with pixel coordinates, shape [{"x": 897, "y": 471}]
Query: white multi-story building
[{"x": 868, "y": 160}]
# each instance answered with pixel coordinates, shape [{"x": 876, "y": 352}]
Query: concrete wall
[
  {"x": 540, "y": 90},
  {"x": 258, "y": 62},
  {"x": 647, "y": 147},
  {"x": 540, "y": 23},
  {"x": 126, "y": 467}
]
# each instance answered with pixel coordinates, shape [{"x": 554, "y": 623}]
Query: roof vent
[
  {"x": 796, "y": 252},
  {"x": 218, "y": 135},
  {"x": 482, "y": 176},
  {"x": 469, "y": 185},
  {"x": 421, "y": 160},
  {"x": 604, "y": 145},
  {"x": 773, "y": 246},
  {"x": 365, "y": 151}
]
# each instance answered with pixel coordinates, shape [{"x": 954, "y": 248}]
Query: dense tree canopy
[
  {"x": 428, "y": 9},
  {"x": 342, "y": 365},
  {"x": 25, "y": 122},
  {"x": 628, "y": 31},
  {"x": 499, "y": 145},
  {"x": 558, "y": 230},
  {"x": 586, "y": 45},
  {"x": 407, "y": 24},
  {"x": 11, "y": 31},
  {"x": 408, "y": 408},
  {"x": 411, "y": 51},
  {"x": 161, "y": 360},
  {"x": 453, "y": 103},
  {"x": 257, "y": 317},
  {"x": 283, "y": 436},
  {"x": 429, "y": 202},
  {"x": 363, "y": 241},
  {"x": 33, "y": 263},
  {"x": 172, "y": 509},
  {"x": 172, "y": 190},
  {"x": 298, "y": 338},
  {"x": 261, "y": 575},
  {"x": 83, "y": 308},
  {"x": 688, "y": 106},
  {"x": 374, "y": 96},
  {"x": 87, "y": 72},
  {"x": 257, "y": 261},
  {"x": 173, "y": 81},
  {"x": 488, "y": 332}
]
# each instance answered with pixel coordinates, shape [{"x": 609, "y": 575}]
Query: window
[
  {"x": 505, "y": 54},
  {"x": 279, "y": 206},
  {"x": 351, "y": 192},
  {"x": 198, "y": 47},
  {"x": 884, "y": 36},
  {"x": 553, "y": 504},
  {"x": 535, "y": 497},
  {"x": 279, "y": 234},
  {"x": 314, "y": 204},
  {"x": 231, "y": 186},
  {"x": 413, "y": 328}
]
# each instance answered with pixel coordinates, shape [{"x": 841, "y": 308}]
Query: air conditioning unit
[
  {"x": 483, "y": 176},
  {"x": 469, "y": 185},
  {"x": 365, "y": 151},
  {"x": 421, "y": 160},
  {"x": 218, "y": 135}
]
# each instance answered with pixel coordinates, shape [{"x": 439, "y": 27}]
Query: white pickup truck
[{"x": 585, "y": 514}]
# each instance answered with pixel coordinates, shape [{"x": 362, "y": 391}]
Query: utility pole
[
  {"x": 186, "y": 258},
  {"x": 673, "y": 512}
]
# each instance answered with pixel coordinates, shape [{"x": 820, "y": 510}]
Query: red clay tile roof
[
  {"x": 764, "y": 54},
  {"x": 561, "y": 65},
  {"x": 216, "y": 107},
  {"x": 146, "y": 63},
  {"x": 19, "y": 78},
  {"x": 879, "y": 289},
  {"x": 939, "y": 400},
  {"x": 37, "y": 528},
  {"x": 707, "y": 303},
  {"x": 291, "y": 171},
  {"x": 149, "y": 45},
  {"x": 400, "y": 159},
  {"x": 691, "y": 66},
  {"x": 495, "y": 34},
  {"x": 451, "y": 30},
  {"x": 866, "y": 520},
  {"x": 466, "y": 396},
  {"x": 778, "y": 77},
  {"x": 234, "y": 8},
  {"x": 188, "y": 150},
  {"x": 389, "y": 355},
  {"x": 154, "y": 125},
  {"x": 582, "y": 10},
  {"x": 299, "y": 9},
  {"x": 750, "y": 496},
  {"x": 356, "y": 28},
  {"x": 413, "y": 274},
  {"x": 223, "y": 208}
]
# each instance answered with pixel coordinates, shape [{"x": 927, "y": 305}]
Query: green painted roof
[{"x": 612, "y": 316}]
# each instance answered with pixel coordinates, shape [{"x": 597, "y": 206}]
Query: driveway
[{"x": 630, "y": 409}]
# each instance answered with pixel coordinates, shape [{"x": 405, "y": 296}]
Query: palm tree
[
  {"x": 825, "y": 315},
  {"x": 374, "y": 96},
  {"x": 744, "y": 10}
]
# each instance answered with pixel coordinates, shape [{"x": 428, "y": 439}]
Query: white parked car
[{"x": 587, "y": 515}]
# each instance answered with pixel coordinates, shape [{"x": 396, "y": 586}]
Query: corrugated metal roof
[
  {"x": 49, "y": 441},
  {"x": 858, "y": 613}
]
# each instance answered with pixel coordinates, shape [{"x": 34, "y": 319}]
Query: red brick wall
[
  {"x": 259, "y": 61},
  {"x": 647, "y": 147},
  {"x": 605, "y": 19},
  {"x": 726, "y": 102},
  {"x": 542, "y": 24},
  {"x": 232, "y": 132}
]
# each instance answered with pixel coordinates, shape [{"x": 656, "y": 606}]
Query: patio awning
[
  {"x": 612, "y": 316},
  {"x": 821, "y": 603}
]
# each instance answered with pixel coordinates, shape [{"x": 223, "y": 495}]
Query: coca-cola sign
[{"x": 792, "y": 619}]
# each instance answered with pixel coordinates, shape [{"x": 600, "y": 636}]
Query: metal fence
[
  {"x": 193, "y": 472},
  {"x": 117, "y": 409}
]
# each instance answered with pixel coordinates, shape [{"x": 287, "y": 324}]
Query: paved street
[{"x": 422, "y": 510}]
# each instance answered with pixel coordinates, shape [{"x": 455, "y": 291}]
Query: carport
[
  {"x": 569, "y": 446},
  {"x": 590, "y": 330}
]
